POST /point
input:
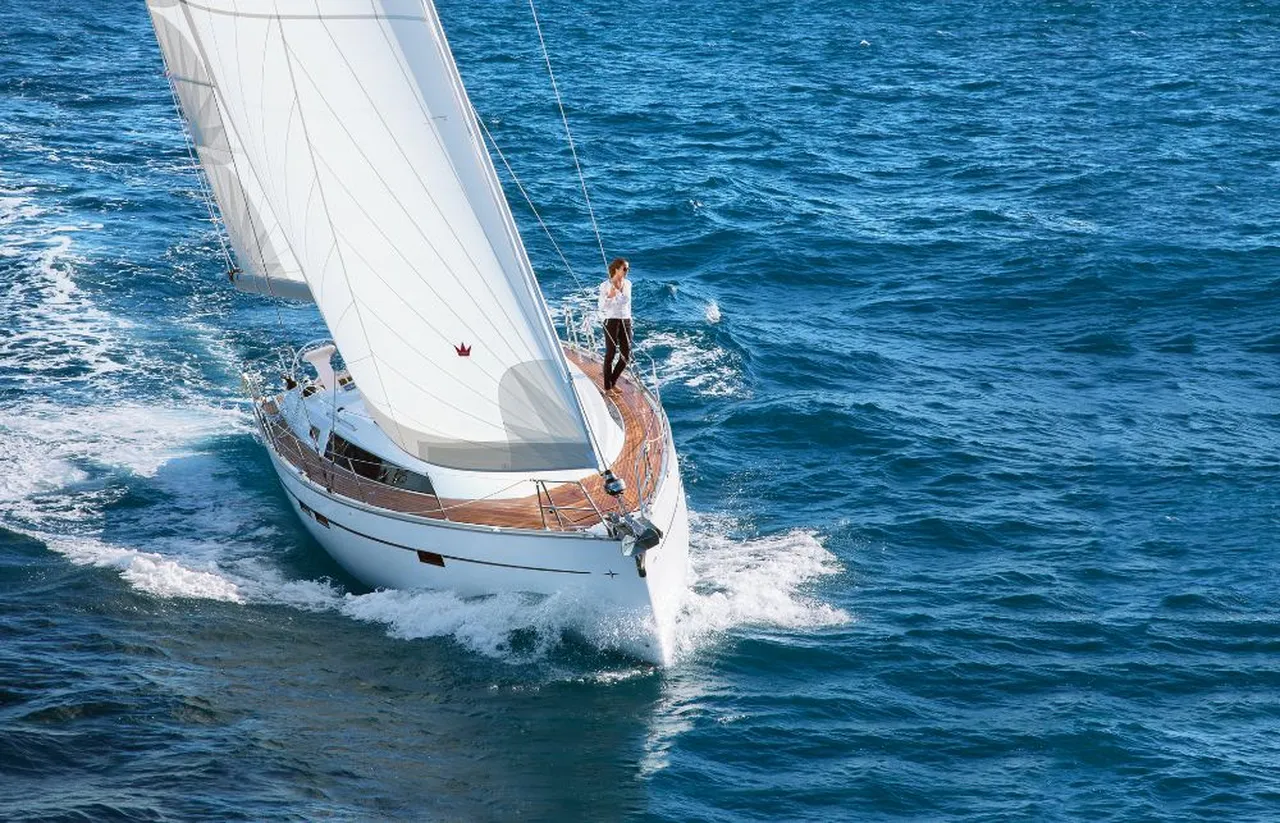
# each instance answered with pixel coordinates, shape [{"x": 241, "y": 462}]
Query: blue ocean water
[{"x": 965, "y": 318}]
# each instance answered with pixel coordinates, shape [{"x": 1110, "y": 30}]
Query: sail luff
[{"x": 528, "y": 277}]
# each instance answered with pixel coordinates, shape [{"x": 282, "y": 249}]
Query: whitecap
[
  {"x": 761, "y": 581},
  {"x": 148, "y": 572},
  {"x": 689, "y": 359}
]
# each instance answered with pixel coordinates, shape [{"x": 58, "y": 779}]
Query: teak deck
[{"x": 568, "y": 508}]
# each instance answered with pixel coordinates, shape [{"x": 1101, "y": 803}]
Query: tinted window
[{"x": 367, "y": 464}]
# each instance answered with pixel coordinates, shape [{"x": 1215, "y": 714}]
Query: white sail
[
  {"x": 266, "y": 264},
  {"x": 350, "y": 122}
]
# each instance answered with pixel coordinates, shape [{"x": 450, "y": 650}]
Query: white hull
[{"x": 385, "y": 549}]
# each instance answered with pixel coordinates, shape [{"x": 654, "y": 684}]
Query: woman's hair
[{"x": 617, "y": 263}]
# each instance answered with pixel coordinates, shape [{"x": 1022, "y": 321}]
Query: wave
[
  {"x": 147, "y": 489},
  {"x": 209, "y": 537},
  {"x": 693, "y": 360},
  {"x": 762, "y": 581},
  {"x": 55, "y": 332},
  {"x": 739, "y": 582},
  {"x": 712, "y": 312}
]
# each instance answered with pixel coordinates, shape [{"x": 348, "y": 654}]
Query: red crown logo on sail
[{"x": 463, "y": 350}]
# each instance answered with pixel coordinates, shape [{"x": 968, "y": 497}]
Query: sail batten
[{"x": 343, "y": 151}]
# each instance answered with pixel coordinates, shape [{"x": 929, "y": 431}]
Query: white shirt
[{"x": 617, "y": 307}]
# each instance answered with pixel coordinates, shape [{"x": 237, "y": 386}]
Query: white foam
[
  {"x": 688, "y": 359},
  {"x": 712, "y": 312},
  {"x": 485, "y": 625},
  {"x": 671, "y": 718},
  {"x": 147, "y": 571},
  {"x": 54, "y": 332},
  {"x": 760, "y": 581},
  {"x": 66, "y": 463},
  {"x": 60, "y": 490},
  {"x": 46, "y": 447}
]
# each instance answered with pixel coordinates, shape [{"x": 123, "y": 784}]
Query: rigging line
[
  {"x": 206, "y": 186},
  {"x": 545, "y": 228},
  {"x": 244, "y": 196},
  {"x": 508, "y": 221},
  {"x": 206, "y": 195},
  {"x": 489, "y": 173},
  {"x": 546, "y": 57},
  {"x": 529, "y": 200},
  {"x": 601, "y": 462},
  {"x": 422, "y": 184}
]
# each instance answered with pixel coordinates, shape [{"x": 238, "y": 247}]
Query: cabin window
[
  {"x": 367, "y": 464},
  {"x": 350, "y": 456}
]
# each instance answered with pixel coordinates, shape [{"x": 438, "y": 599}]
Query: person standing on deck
[{"x": 615, "y": 311}]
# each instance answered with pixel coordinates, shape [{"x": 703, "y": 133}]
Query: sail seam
[
  {"x": 218, "y": 105},
  {"x": 416, "y": 350},
  {"x": 302, "y": 121},
  {"x": 278, "y": 16},
  {"x": 518, "y": 351},
  {"x": 229, "y": 127},
  {"x": 508, "y": 221},
  {"x": 401, "y": 254},
  {"x": 448, "y": 155}
]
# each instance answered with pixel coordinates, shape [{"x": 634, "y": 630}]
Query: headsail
[{"x": 348, "y": 119}]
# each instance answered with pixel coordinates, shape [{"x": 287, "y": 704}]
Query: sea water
[{"x": 965, "y": 318}]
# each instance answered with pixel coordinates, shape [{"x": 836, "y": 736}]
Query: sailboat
[{"x": 445, "y": 437}]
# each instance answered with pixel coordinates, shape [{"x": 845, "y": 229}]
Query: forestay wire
[
  {"x": 527, "y": 199},
  {"x": 568, "y": 134}
]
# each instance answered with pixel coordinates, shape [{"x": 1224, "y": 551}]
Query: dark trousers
[{"x": 617, "y": 339}]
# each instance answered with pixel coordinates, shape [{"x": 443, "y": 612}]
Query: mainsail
[
  {"x": 267, "y": 265},
  {"x": 340, "y": 145}
]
